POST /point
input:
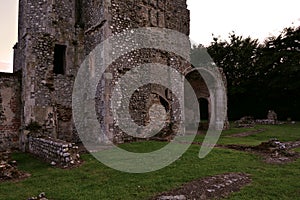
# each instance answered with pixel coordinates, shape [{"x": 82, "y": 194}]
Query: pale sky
[
  {"x": 8, "y": 32},
  {"x": 256, "y": 18}
]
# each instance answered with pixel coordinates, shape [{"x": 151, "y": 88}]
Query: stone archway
[
  {"x": 215, "y": 94},
  {"x": 202, "y": 93}
]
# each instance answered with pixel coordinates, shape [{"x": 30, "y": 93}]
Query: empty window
[{"x": 59, "y": 59}]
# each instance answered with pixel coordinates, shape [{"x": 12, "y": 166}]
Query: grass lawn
[{"x": 93, "y": 180}]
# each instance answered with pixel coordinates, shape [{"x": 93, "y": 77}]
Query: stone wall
[
  {"x": 47, "y": 95},
  {"x": 96, "y": 21},
  {"x": 141, "y": 101},
  {"x": 171, "y": 14},
  {"x": 80, "y": 26},
  {"x": 124, "y": 15},
  {"x": 10, "y": 111},
  {"x": 54, "y": 151}
]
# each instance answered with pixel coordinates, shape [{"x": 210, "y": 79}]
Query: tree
[
  {"x": 259, "y": 76},
  {"x": 238, "y": 58},
  {"x": 281, "y": 61}
]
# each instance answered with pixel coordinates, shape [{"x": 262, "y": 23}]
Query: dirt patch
[
  {"x": 213, "y": 187},
  {"x": 273, "y": 151},
  {"x": 247, "y": 133},
  {"x": 17, "y": 176}
]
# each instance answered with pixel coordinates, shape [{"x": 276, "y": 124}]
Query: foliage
[
  {"x": 33, "y": 126},
  {"x": 281, "y": 61},
  {"x": 260, "y": 77}
]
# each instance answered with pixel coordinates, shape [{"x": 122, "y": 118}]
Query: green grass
[
  {"x": 285, "y": 132},
  {"x": 93, "y": 180},
  {"x": 297, "y": 149}
]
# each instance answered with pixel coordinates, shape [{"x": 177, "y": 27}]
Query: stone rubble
[
  {"x": 54, "y": 151},
  {"x": 245, "y": 122},
  {"x": 213, "y": 187},
  {"x": 8, "y": 167},
  {"x": 177, "y": 197},
  {"x": 274, "y": 147},
  {"x": 273, "y": 151},
  {"x": 250, "y": 122},
  {"x": 41, "y": 196}
]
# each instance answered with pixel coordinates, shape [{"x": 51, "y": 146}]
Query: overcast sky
[
  {"x": 8, "y": 32},
  {"x": 256, "y": 18}
]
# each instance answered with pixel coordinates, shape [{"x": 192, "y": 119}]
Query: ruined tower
[
  {"x": 53, "y": 39},
  {"x": 47, "y": 53}
]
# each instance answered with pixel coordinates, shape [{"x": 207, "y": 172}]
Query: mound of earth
[
  {"x": 273, "y": 151},
  {"x": 8, "y": 168},
  {"x": 213, "y": 187}
]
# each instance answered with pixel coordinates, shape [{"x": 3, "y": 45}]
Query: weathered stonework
[
  {"x": 55, "y": 37},
  {"x": 54, "y": 151},
  {"x": 8, "y": 168},
  {"x": 10, "y": 111}
]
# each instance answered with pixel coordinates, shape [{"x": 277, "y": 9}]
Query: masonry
[
  {"x": 54, "y": 38},
  {"x": 10, "y": 111}
]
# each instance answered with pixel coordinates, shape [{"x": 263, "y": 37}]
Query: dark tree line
[{"x": 260, "y": 77}]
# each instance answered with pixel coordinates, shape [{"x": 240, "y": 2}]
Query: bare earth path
[{"x": 247, "y": 133}]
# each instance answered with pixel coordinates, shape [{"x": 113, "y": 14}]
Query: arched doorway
[
  {"x": 204, "y": 110},
  {"x": 202, "y": 93},
  {"x": 216, "y": 93},
  {"x": 204, "y": 113}
]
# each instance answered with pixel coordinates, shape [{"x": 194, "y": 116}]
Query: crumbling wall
[
  {"x": 101, "y": 19},
  {"x": 54, "y": 151},
  {"x": 80, "y": 26},
  {"x": 171, "y": 14},
  {"x": 96, "y": 21},
  {"x": 146, "y": 96},
  {"x": 10, "y": 111},
  {"x": 46, "y": 94},
  {"x": 126, "y": 15}
]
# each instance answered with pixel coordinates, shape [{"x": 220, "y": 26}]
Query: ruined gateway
[{"x": 53, "y": 39}]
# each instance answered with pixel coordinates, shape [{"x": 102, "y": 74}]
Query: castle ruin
[{"x": 54, "y": 38}]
